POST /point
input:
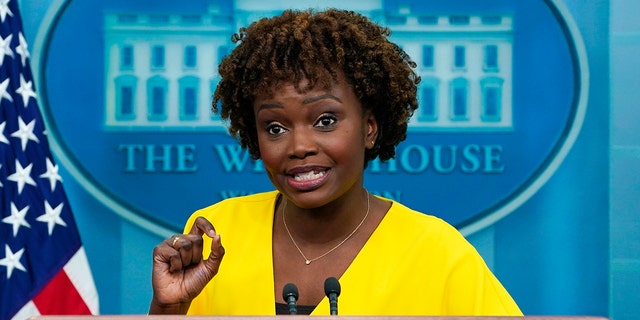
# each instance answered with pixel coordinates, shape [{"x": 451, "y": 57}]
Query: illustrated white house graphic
[{"x": 161, "y": 69}]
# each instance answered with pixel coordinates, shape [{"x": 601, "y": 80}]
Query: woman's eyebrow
[
  {"x": 320, "y": 97},
  {"x": 305, "y": 101},
  {"x": 269, "y": 106}
]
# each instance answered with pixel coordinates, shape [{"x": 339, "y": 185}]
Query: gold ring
[{"x": 173, "y": 244}]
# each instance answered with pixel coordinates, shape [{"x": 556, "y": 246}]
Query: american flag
[{"x": 43, "y": 265}]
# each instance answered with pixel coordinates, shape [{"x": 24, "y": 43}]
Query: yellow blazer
[{"x": 413, "y": 264}]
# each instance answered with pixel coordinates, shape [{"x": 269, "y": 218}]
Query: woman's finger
[{"x": 202, "y": 226}]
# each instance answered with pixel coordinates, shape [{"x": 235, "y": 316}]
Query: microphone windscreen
[
  {"x": 289, "y": 290},
  {"x": 331, "y": 285}
]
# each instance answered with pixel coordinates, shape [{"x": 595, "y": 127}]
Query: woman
[{"x": 316, "y": 96}]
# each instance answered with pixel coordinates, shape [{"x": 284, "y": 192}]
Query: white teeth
[{"x": 308, "y": 176}]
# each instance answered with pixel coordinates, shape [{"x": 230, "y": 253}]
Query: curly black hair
[{"x": 316, "y": 46}]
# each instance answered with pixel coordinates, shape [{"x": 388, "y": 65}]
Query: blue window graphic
[
  {"x": 157, "y": 57},
  {"x": 125, "y": 97},
  {"x": 159, "y": 19},
  {"x": 491, "y": 102},
  {"x": 127, "y": 18},
  {"x": 157, "y": 98},
  {"x": 126, "y": 57},
  {"x": 126, "y": 102},
  {"x": 393, "y": 19},
  {"x": 459, "y": 99},
  {"x": 428, "y": 56},
  {"x": 491, "y": 20},
  {"x": 428, "y": 20},
  {"x": 190, "y": 56},
  {"x": 189, "y": 103},
  {"x": 428, "y": 107},
  {"x": 459, "y": 57},
  {"x": 491, "y": 99},
  {"x": 491, "y": 58},
  {"x": 191, "y": 18},
  {"x": 459, "y": 20},
  {"x": 428, "y": 110},
  {"x": 189, "y": 98}
]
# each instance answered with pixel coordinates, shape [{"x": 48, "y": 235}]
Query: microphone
[
  {"x": 290, "y": 296},
  {"x": 332, "y": 290}
]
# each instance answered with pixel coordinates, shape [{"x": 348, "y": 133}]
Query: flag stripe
[
  {"x": 29, "y": 310},
  {"x": 76, "y": 270},
  {"x": 48, "y": 300}
]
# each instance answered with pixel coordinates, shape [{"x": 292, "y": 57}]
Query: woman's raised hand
[{"x": 179, "y": 271}]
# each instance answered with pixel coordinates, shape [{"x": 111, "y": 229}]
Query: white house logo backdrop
[{"x": 126, "y": 90}]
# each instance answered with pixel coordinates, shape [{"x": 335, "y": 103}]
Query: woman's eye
[
  {"x": 274, "y": 129},
  {"x": 326, "y": 121}
]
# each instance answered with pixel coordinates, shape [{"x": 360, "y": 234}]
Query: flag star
[
  {"x": 22, "y": 176},
  {"x": 25, "y": 132},
  {"x": 2, "y": 137},
  {"x": 4, "y": 10},
  {"x": 3, "y": 91},
  {"x": 16, "y": 219},
  {"x": 52, "y": 216},
  {"x": 26, "y": 90},
  {"x": 52, "y": 174},
  {"x": 1, "y": 185},
  {"x": 11, "y": 260},
  {"x": 5, "y": 47},
  {"x": 23, "y": 49}
]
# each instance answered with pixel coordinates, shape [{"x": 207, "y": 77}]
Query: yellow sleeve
[{"x": 472, "y": 289}]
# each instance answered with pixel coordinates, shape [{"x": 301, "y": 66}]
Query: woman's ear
[{"x": 372, "y": 130}]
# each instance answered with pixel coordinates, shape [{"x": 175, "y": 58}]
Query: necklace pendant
[{"x": 307, "y": 261}]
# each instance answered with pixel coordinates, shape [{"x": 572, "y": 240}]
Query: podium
[{"x": 300, "y": 317}]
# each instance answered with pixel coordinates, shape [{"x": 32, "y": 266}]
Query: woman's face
[{"x": 312, "y": 144}]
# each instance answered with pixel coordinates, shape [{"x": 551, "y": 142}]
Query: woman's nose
[{"x": 302, "y": 143}]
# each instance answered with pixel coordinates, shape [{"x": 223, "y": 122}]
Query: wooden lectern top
[{"x": 299, "y": 317}]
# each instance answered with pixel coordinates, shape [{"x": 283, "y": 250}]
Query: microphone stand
[
  {"x": 332, "y": 291},
  {"x": 290, "y": 295}
]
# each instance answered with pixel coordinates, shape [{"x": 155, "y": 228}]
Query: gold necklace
[{"x": 308, "y": 261}]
